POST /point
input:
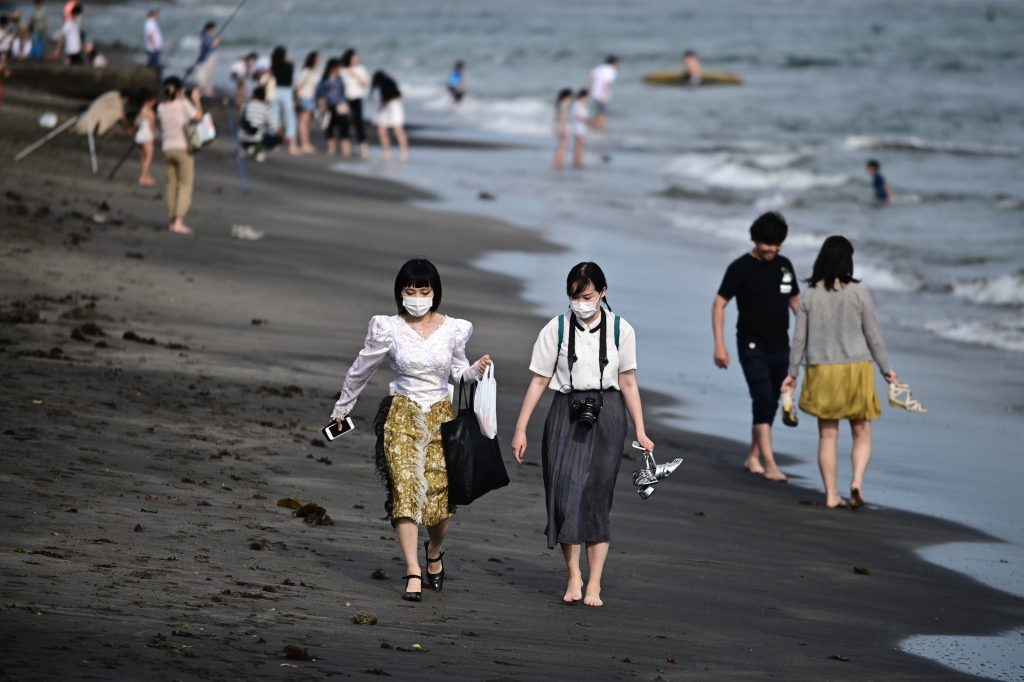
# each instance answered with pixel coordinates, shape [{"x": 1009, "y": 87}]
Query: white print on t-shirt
[{"x": 787, "y": 281}]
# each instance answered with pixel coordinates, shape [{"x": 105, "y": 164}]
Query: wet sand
[{"x": 139, "y": 481}]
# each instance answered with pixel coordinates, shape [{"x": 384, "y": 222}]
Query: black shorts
[
  {"x": 456, "y": 94},
  {"x": 764, "y": 371}
]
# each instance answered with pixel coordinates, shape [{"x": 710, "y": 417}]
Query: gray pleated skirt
[{"x": 581, "y": 464}]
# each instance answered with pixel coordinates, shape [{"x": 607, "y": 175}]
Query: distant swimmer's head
[
  {"x": 612, "y": 60},
  {"x": 768, "y": 232},
  {"x": 873, "y": 166}
]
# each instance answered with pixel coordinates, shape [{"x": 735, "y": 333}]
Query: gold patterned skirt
[
  {"x": 842, "y": 391},
  {"x": 416, "y": 472}
]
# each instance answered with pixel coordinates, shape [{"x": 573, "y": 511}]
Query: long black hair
[
  {"x": 311, "y": 60},
  {"x": 418, "y": 272},
  {"x": 583, "y": 275},
  {"x": 562, "y": 94},
  {"x": 834, "y": 262},
  {"x": 346, "y": 57},
  {"x": 172, "y": 86}
]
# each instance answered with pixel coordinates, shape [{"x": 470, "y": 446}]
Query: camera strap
[{"x": 602, "y": 357}]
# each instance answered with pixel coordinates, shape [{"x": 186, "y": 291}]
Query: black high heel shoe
[
  {"x": 434, "y": 580},
  {"x": 412, "y": 596}
]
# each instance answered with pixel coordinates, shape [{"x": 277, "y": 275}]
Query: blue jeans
[
  {"x": 764, "y": 371},
  {"x": 286, "y": 110},
  {"x": 153, "y": 61}
]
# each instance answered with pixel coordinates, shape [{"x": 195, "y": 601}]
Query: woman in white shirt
[
  {"x": 357, "y": 85},
  {"x": 424, "y": 348},
  {"x": 586, "y": 423},
  {"x": 305, "y": 93}
]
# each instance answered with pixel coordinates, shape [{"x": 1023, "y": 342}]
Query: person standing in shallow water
[
  {"x": 585, "y": 354},
  {"x": 837, "y": 335},
  {"x": 424, "y": 349},
  {"x": 763, "y": 282}
]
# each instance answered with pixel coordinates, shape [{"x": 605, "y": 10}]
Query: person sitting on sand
[
  {"x": 390, "y": 115},
  {"x": 174, "y": 113},
  {"x": 692, "y": 70},
  {"x": 563, "y": 126},
  {"x": 763, "y": 282},
  {"x": 878, "y": 183},
  {"x": 256, "y": 131},
  {"x": 424, "y": 349},
  {"x": 145, "y": 137},
  {"x": 580, "y": 126},
  {"x": 587, "y": 356},
  {"x": 837, "y": 335}
]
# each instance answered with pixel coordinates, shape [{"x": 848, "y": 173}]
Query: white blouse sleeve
[
  {"x": 545, "y": 350},
  {"x": 461, "y": 369},
  {"x": 627, "y": 347},
  {"x": 375, "y": 349}
]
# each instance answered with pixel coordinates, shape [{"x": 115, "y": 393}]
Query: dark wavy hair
[
  {"x": 346, "y": 57},
  {"x": 834, "y": 262},
  {"x": 769, "y": 228},
  {"x": 583, "y": 275},
  {"x": 418, "y": 272}
]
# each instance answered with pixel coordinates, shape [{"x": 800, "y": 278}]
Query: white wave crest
[
  {"x": 1005, "y": 337},
  {"x": 882, "y": 279},
  {"x": 725, "y": 170},
  {"x": 1007, "y": 290},
  {"x": 918, "y": 144},
  {"x": 512, "y": 115}
]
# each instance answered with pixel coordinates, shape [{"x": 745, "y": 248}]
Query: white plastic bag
[{"x": 485, "y": 405}]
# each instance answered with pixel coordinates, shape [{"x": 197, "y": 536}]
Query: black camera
[{"x": 585, "y": 411}]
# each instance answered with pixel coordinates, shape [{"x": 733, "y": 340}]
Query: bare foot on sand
[
  {"x": 147, "y": 181},
  {"x": 835, "y": 502},
  {"x": 773, "y": 473},
  {"x": 856, "y": 497},
  {"x": 574, "y": 591},
  {"x": 309, "y": 150},
  {"x": 593, "y": 597},
  {"x": 753, "y": 466},
  {"x": 181, "y": 228}
]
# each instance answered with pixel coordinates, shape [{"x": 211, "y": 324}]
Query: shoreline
[{"x": 705, "y": 564}]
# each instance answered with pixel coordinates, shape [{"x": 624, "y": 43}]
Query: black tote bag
[{"x": 473, "y": 460}]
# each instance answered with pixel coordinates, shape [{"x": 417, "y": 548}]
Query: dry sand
[{"x": 141, "y": 536}]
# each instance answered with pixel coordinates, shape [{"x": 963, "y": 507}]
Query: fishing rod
[{"x": 188, "y": 72}]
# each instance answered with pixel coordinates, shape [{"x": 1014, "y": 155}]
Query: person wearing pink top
[{"x": 175, "y": 113}]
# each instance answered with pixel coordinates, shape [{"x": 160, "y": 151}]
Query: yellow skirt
[
  {"x": 415, "y": 459},
  {"x": 845, "y": 391}
]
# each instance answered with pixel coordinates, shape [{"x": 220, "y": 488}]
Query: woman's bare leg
[
  {"x": 597, "y": 554},
  {"x": 861, "y": 455},
  {"x": 403, "y": 143},
  {"x": 574, "y": 590},
  {"x": 409, "y": 539},
  {"x": 828, "y": 435},
  {"x": 385, "y": 143}
]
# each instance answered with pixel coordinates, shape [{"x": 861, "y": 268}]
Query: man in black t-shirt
[{"x": 765, "y": 288}]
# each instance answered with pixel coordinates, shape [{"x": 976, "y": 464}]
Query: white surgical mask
[
  {"x": 417, "y": 306},
  {"x": 583, "y": 309}
]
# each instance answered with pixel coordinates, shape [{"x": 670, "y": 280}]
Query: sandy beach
[{"x": 161, "y": 395}]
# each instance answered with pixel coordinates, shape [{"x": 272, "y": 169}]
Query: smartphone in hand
[{"x": 332, "y": 430}]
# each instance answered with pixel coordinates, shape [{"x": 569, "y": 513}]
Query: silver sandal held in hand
[{"x": 900, "y": 395}]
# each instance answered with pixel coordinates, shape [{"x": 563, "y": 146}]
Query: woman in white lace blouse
[{"x": 424, "y": 348}]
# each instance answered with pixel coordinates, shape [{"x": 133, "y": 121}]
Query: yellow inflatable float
[{"x": 680, "y": 77}]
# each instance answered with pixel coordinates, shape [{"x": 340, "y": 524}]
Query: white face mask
[
  {"x": 417, "y": 306},
  {"x": 583, "y": 309}
]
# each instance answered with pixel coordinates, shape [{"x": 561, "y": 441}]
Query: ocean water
[{"x": 931, "y": 88}]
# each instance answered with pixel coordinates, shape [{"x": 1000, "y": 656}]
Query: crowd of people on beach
[{"x": 31, "y": 39}]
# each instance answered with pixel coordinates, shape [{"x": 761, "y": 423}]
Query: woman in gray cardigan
[{"x": 837, "y": 336}]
